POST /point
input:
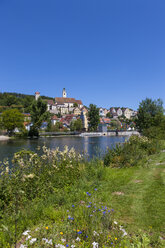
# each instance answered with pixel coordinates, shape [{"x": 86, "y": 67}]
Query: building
[{"x": 63, "y": 105}]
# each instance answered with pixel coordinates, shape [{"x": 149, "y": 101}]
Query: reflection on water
[{"x": 93, "y": 146}]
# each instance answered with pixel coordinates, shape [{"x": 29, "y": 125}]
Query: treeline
[{"x": 17, "y": 100}]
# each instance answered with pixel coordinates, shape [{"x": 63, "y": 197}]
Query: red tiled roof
[
  {"x": 106, "y": 120},
  {"x": 54, "y": 117},
  {"x": 50, "y": 102},
  {"x": 62, "y": 100}
]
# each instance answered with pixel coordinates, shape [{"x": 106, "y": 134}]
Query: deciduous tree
[
  {"x": 94, "y": 118},
  {"x": 12, "y": 119}
]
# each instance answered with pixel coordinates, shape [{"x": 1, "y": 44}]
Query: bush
[{"x": 131, "y": 153}]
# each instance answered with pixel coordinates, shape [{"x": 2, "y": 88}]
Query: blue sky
[{"x": 106, "y": 52}]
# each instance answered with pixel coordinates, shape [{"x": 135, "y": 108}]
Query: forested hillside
[{"x": 17, "y": 100}]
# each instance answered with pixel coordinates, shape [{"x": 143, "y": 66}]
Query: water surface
[{"x": 93, "y": 146}]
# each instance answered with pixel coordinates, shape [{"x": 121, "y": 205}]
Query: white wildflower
[
  {"x": 63, "y": 240},
  {"x": 95, "y": 233},
  {"x": 26, "y": 232},
  {"x": 33, "y": 240},
  {"x": 123, "y": 230},
  {"x": 78, "y": 239},
  {"x": 95, "y": 245},
  {"x": 115, "y": 222},
  {"x": 23, "y": 246},
  {"x": 28, "y": 237},
  {"x": 29, "y": 176},
  {"x": 60, "y": 246}
]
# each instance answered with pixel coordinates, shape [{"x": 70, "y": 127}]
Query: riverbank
[
  {"x": 89, "y": 134},
  {"x": 111, "y": 133},
  {"x": 3, "y": 137},
  {"x": 62, "y": 199}
]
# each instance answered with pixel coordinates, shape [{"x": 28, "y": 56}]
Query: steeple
[
  {"x": 37, "y": 95},
  {"x": 64, "y": 93}
]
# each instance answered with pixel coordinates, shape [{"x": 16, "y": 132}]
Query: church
[{"x": 62, "y": 105}]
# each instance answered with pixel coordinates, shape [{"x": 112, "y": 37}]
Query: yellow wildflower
[
  {"x": 61, "y": 233},
  {"x": 46, "y": 227},
  {"x": 115, "y": 238}
]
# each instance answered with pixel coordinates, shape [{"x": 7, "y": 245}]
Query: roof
[
  {"x": 54, "y": 117},
  {"x": 62, "y": 100},
  {"x": 50, "y": 102}
]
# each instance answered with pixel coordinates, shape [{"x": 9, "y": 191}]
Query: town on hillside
[{"x": 69, "y": 114}]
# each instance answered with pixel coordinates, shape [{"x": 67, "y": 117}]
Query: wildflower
[
  {"x": 33, "y": 240},
  {"x": 22, "y": 246},
  {"x": 115, "y": 222},
  {"x": 78, "y": 239},
  {"x": 72, "y": 206},
  {"x": 104, "y": 212},
  {"x": 46, "y": 227},
  {"x": 61, "y": 233},
  {"x": 72, "y": 246},
  {"x": 95, "y": 189},
  {"x": 115, "y": 238},
  {"x": 95, "y": 245},
  {"x": 67, "y": 245},
  {"x": 28, "y": 237},
  {"x": 63, "y": 240},
  {"x": 26, "y": 232},
  {"x": 79, "y": 232},
  {"x": 89, "y": 206},
  {"x": 95, "y": 233}
]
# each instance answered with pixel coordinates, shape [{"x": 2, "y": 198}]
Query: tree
[
  {"x": 109, "y": 115},
  {"x": 148, "y": 113},
  {"x": 94, "y": 118},
  {"x": 39, "y": 114},
  {"x": 76, "y": 125},
  {"x": 12, "y": 119}
]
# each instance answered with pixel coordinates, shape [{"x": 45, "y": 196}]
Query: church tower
[
  {"x": 64, "y": 93},
  {"x": 37, "y": 95}
]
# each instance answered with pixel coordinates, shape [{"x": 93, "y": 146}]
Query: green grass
[{"x": 136, "y": 194}]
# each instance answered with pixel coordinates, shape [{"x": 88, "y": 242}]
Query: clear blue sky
[{"x": 107, "y": 52}]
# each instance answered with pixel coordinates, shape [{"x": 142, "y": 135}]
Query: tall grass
[{"x": 57, "y": 199}]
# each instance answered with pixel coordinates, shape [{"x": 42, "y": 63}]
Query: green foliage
[
  {"x": 20, "y": 101},
  {"x": 57, "y": 127},
  {"x": 148, "y": 113},
  {"x": 76, "y": 125},
  {"x": 12, "y": 119},
  {"x": 109, "y": 115},
  {"x": 39, "y": 113},
  {"x": 94, "y": 118},
  {"x": 115, "y": 124},
  {"x": 131, "y": 153},
  {"x": 39, "y": 191},
  {"x": 75, "y": 105}
]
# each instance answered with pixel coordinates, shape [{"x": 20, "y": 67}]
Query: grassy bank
[{"x": 66, "y": 201}]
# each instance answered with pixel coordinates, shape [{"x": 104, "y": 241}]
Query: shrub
[{"x": 131, "y": 153}]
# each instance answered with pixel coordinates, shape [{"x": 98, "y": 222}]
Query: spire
[
  {"x": 64, "y": 93},
  {"x": 37, "y": 95}
]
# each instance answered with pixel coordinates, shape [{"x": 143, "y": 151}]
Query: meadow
[{"x": 61, "y": 199}]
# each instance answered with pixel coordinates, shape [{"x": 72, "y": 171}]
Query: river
[{"x": 93, "y": 146}]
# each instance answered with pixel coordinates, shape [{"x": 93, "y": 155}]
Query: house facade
[{"x": 62, "y": 105}]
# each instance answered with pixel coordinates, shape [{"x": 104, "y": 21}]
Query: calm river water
[{"x": 94, "y": 146}]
